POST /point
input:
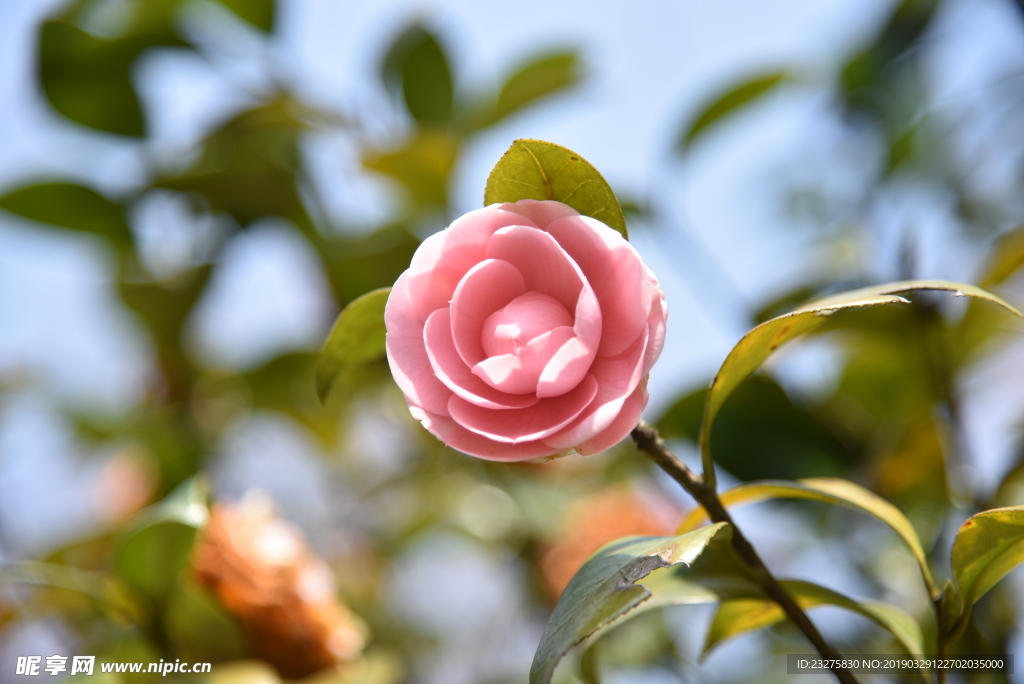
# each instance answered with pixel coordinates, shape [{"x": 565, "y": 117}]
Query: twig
[{"x": 646, "y": 437}]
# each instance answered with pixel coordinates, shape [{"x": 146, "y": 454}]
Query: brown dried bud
[{"x": 262, "y": 570}]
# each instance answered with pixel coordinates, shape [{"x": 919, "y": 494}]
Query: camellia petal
[
  {"x": 617, "y": 377},
  {"x": 572, "y": 361},
  {"x": 543, "y": 263},
  {"x": 444, "y": 258},
  {"x": 542, "y": 213},
  {"x": 656, "y": 327},
  {"x": 544, "y": 418},
  {"x": 615, "y": 271},
  {"x": 625, "y": 421},
  {"x": 524, "y": 331},
  {"x": 520, "y": 373},
  {"x": 407, "y": 355},
  {"x": 486, "y": 287},
  {"x": 450, "y": 369},
  {"x": 458, "y": 437}
]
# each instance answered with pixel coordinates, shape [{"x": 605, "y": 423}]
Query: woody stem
[{"x": 647, "y": 439}]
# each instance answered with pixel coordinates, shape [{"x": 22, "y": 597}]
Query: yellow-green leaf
[
  {"x": 534, "y": 169},
  {"x": 758, "y": 344},
  {"x": 738, "y": 616},
  {"x": 607, "y": 587},
  {"x": 357, "y": 336},
  {"x": 422, "y": 164},
  {"x": 534, "y": 81},
  {"x": 728, "y": 102},
  {"x": 107, "y": 591},
  {"x": 831, "y": 490},
  {"x": 987, "y": 547},
  {"x": 1007, "y": 257},
  {"x": 952, "y": 607}
]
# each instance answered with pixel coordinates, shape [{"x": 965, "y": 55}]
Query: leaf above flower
[{"x": 538, "y": 170}]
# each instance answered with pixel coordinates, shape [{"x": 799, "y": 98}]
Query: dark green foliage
[
  {"x": 88, "y": 79},
  {"x": 73, "y": 207},
  {"x": 356, "y": 337},
  {"x": 416, "y": 64},
  {"x": 866, "y": 75},
  {"x": 259, "y": 13},
  {"x": 248, "y": 166},
  {"x": 762, "y": 434}
]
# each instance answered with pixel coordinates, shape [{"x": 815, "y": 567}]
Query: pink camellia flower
[{"x": 525, "y": 330}]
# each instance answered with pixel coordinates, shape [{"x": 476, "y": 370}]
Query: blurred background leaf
[
  {"x": 88, "y": 79},
  {"x": 730, "y": 101},
  {"x": 357, "y": 336},
  {"x": 417, "y": 65},
  {"x": 71, "y": 206}
]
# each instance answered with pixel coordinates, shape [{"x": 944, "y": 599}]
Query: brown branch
[{"x": 646, "y": 437}]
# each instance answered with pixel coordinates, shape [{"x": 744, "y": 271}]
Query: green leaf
[
  {"x": 738, "y": 616},
  {"x": 728, "y": 102},
  {"x": 590, "y": 667},
  {"x": 762, "y": 434},
  {"x": 357, "y": 336},
  {"x": 157, "y": 546},
  {"x": 830, "y": 490},
  {"x": 164, "y": 305},
  {"x": 952, "y": 607},
  {"x": 540, "y": 78},
  {"x": 987, "y": 547},
  {"x": 417, "y": 61},
  {"x": 88, "y": 79},
  {"x": 534, "y": 169},
  {"x": 357, "y": 265},
  {"x": 70, "y": 206},
  {"x": 259, "y": 13},
  {"x": 1007, "y": 258},
  {"x": 422, "y": 164},
  {"x": 758, "y": 344},
  {"x": 606, "y": 588},
  {"x": 108, "y": 592},
  {"x": 868, "y": 74},
  {"x": 199, "y": 627},
  {"x": 248, "y": 165}
]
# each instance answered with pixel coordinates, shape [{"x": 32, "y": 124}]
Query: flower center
[{"x": 527, "y": 316}]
